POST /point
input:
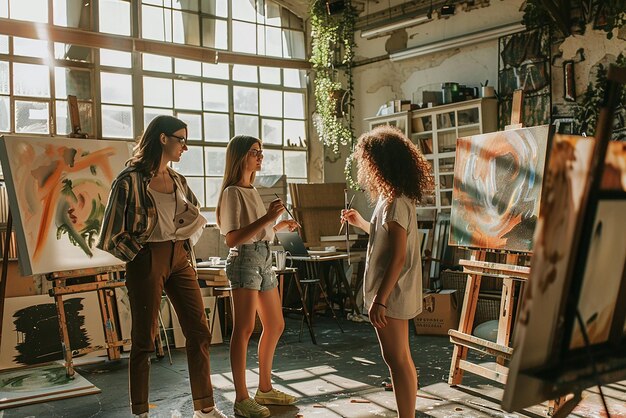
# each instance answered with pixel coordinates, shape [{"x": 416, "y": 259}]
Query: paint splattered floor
[{"x": 339, "y": 377}]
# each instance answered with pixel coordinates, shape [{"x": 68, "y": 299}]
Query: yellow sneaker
[
  {"x": 248, "y": 408},
  {"x": 274, "y": 397}
]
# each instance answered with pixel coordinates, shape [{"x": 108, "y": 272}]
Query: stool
[
  {"x": 221, "y": 293},
  {"x": 307, "y": 312}
]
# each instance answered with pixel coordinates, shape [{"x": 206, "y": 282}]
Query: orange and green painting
[
  {"x": 58, "y": 190},
  {"x": 497, "y": 189}
]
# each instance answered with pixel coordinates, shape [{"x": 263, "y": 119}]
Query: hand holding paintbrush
[
  {"x": 343, "y": 221},
  {"x": 287, "y": 210}
]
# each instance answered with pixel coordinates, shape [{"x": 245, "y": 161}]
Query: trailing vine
[{"x": 332, "y": 56}]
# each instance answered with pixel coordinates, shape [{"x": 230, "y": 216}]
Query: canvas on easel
[{"x": 58, "y": 189}]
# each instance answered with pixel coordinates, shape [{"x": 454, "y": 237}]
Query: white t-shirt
[
  {"x": 166, "y": 206},
  {"x": 239, "y": 208},
  {"x": 405, "y": 300}
]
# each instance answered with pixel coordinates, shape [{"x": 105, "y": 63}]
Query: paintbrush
[
  {"x": 345, "y": 222},
  {"x": 289, "y": 213}
]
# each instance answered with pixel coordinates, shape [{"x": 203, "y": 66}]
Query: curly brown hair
[{"x": 390, "y": 165}]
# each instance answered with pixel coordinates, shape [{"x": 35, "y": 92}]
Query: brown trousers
[{"x": 166, "y": 266}]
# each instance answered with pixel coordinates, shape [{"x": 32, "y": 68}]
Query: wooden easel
[
  {"x": 107, "y": 278},
  {"x": 476, "y": 268}
]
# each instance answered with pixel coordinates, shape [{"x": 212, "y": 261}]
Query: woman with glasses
[
  {"x": 152, "y": 222},
  {"x": 249, "y": 229}
]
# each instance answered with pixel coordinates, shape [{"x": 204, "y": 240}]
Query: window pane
[
  {"x": 270, "y": 75},
  {"x": 186, "y": 27},
  {"x": 115, "y": 58},
  {"x": 215, "y": 158},
  {"x": 260, "y": 40},
  {"x": 85, "y": 112},
  {"x": 247, "y": 125},
  {"x": 187, "y": 67},
  {"x": 116, "y": 88},
  {"x": 273, "y": 41},
  {"x": 4, "y": 77},
  {"x": 72, "y": 52},
  {"x": 157, "y": 63},
  {"x": 194, "y": 125},
  {"x": 213, "y": 186},
  {"x": 215, "y": 71},
  {"x": 214, "y": 33},
  {"x": 272, "y": 14},
  {"x": 157, "y": 92},
  {"x": 272, "y": 131},
  {"x": 32, "y": 10},
  {"x": 156, "y": 23},
  {"x": 294, "y": 133},
  {"x": 244, "y": 10},
  {"x": 151, "y": 113},
  {"x": 72, "y": 13},
  {"x": 295, "y": 163},
  {"x": 294, "y": 105},
  {"x": 117, "y": 121},
  {"x": 31, "y": 80},
  {"x": 196, "y": 184},
  {"x": 246, "y": 99},
  {"x": 272, "y": 162},
  {"x": 271, "y": 103},
  {"x": 4, "y": 12},
  {"x": 32, "y": 117},
  {"x": 216, "y": 127},
  {"x": 187, "y": 95},
  {"x": 191, "y": 162},
  {"x": 30, "y": 47},
  {"x": 293, "y": 77},
  {"x": 215, "y": 7},
  {"x": 245, "y": 39},
  {"x": 245, "y": 73},
  {"x": 4, "y": 43},
  {"x": 71, "y": 81},
  {"x": 215, "y": 97},
  {"x": 115, "y": 17},
  {"x": 5, "y": 112},
  {"x": 293, "y": 44}
]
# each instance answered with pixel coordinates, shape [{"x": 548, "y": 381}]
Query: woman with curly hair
[{"x": 396, "y": 176}]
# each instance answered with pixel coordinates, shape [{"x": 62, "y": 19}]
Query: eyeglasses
[
  {"x": 256, "y": 152},
  {"x": 181, "y": 139}
]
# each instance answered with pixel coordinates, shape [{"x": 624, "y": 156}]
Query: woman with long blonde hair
[{"x": 249, "y": 228}]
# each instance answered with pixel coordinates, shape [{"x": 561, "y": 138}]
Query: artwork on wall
[
  {"x": 30, "y": 328},
  {"x": 497, "y": 189},
  {"x": 29, "y": 385},
  {"x": 525, "y": 64},
  {"x": 58, "y": 190}
]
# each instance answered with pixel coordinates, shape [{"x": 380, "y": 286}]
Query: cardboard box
[{"x": 440, "y": 312}]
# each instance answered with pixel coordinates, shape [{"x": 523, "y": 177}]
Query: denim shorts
[{"x": 250, "y": 267}]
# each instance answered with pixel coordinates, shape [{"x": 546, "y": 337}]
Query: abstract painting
[
  {"x": 30, "y": 329},
  {"x": 497, "y": 189},
  {"x": 58, "y": 190},
  {"x": 559, "y": 221},
  {"x": 28, "y": 385}
]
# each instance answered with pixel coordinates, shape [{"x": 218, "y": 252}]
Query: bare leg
[
  {"x": 271, "y": 315},
  {"x": 394, "y": 343},
  {"x": 245, "y": 302}
]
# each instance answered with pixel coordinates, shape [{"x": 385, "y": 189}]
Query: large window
[{"x": 119, "y": 92}]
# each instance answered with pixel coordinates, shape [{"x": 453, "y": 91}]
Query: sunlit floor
[{"x": 339, "y": 377}]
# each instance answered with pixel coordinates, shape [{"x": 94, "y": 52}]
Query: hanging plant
[{"x": 332, "y": 37}]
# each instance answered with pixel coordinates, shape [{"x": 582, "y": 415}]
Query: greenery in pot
[{"x": 332, "y": 55}]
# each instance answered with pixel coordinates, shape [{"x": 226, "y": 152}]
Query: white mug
[
  {"x": 488, "y": 91},
  {"x": 281, "y": 259}
]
